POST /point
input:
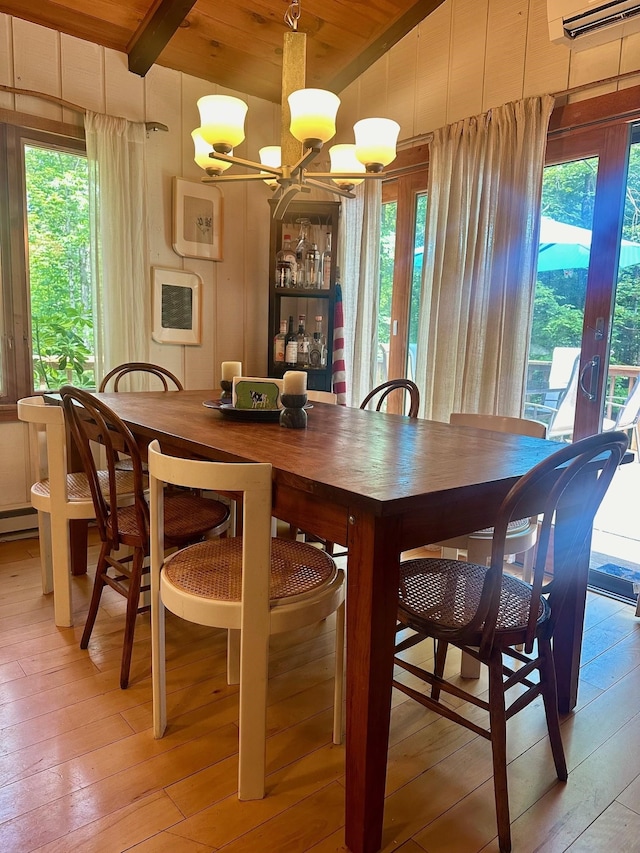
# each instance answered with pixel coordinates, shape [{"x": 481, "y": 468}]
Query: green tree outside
[{"x": 60, "y": 283}]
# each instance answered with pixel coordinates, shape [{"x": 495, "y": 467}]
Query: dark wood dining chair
[
  {"x": 378, "y": 396},
  {"x": 168, "y": 380},
  {"x": 187, "y": 516},
  {"x": 487, "y": 613}
]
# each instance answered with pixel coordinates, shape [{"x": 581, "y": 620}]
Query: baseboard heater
[{"x": 18, "y": 520}]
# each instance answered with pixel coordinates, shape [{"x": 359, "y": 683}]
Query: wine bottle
[
  {"x": 291, "y": 346},
  {"x": 279, "y": 344},
  {"x": 302, "y": 343}
]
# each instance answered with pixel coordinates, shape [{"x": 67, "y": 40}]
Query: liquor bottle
[
  {"x": 303, "y": 343},
  {"x": 279, "y": 344},
  {"x": 318, "y": 347},
  {"x": 303, "y": 247},
  {"x": 291, "y": 346},
  {"x": 326, "y": 263},
  {"x": 286, "y": 264},
  {"x": 312, "y": 274}
]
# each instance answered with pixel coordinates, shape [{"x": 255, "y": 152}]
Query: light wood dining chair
[
  {"x": 251, "y": 585},
  {"x": 59, "y": 496}
]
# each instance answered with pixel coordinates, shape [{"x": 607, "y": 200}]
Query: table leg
[
  {"x": 372, "y": 595},
  {"x": 78, "y": 530},
  {"x": 567, "y": 640}
]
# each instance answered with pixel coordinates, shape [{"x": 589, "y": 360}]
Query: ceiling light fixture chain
[
  {"x": 312, "y": 114},
  {"x": 292, "y": 15}
]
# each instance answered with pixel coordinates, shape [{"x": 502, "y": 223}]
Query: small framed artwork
[
  {"x": 176, "y": 307},
  {"x": 197, "y": 220}
]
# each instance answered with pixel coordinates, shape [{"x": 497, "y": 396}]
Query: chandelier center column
[{"x": 294, "y": 62}]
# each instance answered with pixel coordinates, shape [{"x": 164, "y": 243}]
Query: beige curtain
[
  {"x": 116, "y": 156},
  {"x": 359, "y": 263},
  {"x": 485, "y": 179}
]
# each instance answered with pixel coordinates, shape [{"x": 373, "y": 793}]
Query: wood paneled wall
[{"x": 471, "y": 55}]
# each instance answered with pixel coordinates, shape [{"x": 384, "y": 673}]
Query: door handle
[{"x": 594, "y": 366}]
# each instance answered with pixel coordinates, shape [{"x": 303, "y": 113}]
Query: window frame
[{"x": 16, "y": 339}]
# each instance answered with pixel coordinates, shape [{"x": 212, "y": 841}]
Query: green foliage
[{"x": 59, "y": 266}]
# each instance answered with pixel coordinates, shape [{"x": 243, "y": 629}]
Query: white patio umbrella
[{"x": 567, "y": 247}]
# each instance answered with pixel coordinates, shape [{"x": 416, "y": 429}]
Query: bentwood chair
[
  {"x": 188, "y": 517},
  {"x": 488, "y": 613},
  {"x": 60, "y": 497},
  {"x": 378, "y": 396},
  {"x": 252, "y": 585},
  {"x": 168, "y": 380}
]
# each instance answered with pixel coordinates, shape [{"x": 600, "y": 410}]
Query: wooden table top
[{"x": 374, "y": 460}]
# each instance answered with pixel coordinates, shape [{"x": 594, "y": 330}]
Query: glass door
[
  {"x": 584, "y": 352},
  {"x": 404, "y": 209}
]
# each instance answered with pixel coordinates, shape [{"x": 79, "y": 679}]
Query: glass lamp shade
[
  {"x": 313, "y": 116},
  {"x": 343, "y": 159},
  {"x": 270, "y": 156},
  {"x": 222, "y": 121},
  {"x": 376, "y": 140},
  {"x": 201, "y": 155}
]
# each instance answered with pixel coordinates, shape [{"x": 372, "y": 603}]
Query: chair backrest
[
  {"x": 322, "y": 397},
  {"x": 254, "y": 481},
  {"x": 379, "y": 395},
  {"x": 629, "y": 414},
  {"x": 500, "y": 423},
  {"x": 47, "y": 442},
  {"x": 572, "y": 481},
  {"x": 91, "y": 421},
  {"x": 118, "y": 373}
]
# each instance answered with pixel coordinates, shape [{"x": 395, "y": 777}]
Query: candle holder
[
  {"x": 293, "y": 416},
  {"x": 226, "y": 386}
]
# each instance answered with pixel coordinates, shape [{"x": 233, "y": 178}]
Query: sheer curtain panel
[
  {"x": 359, "y": 262},
  {"x": 116, "y": 155},
  {"x": 485, "y": 180}
]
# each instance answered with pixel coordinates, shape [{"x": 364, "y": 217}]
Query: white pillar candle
[
  {"x": 295, "y": 382},
  {"x": 231, "y": 369}
]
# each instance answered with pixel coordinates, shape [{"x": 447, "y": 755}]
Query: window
[{"x": 46, "y": 313}]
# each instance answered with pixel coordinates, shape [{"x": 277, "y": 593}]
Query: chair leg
[
  {"x": 46, "y": 557},
  {"x": 438, "y": 669},
  {"x": 254, "y": 666},
  {"x": 498, "y": 724},
  {"x": 233, "y": 655},
  {"x": 133, "y": 604},
  {"x": 98, "y": 586},
  {"x": 338, "y": 687},
  {"x": 61, "y": 562},
  {"x": 158, "y": 667},
  {"x": 550, "y": 697}
]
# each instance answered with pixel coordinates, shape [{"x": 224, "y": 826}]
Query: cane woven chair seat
[
  {"x": 78, "y": 485},
  {"x": 186, "y": 517},
  {"x": 427, "y": 592},
  {"x": 213, "y": 569}
]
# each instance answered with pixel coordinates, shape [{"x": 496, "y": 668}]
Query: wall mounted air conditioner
[{"x": 581, "y": 24}]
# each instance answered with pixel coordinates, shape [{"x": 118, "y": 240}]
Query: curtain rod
[
  {"x": 615, "y": 79},
  {"x": 68, "y": 105}
]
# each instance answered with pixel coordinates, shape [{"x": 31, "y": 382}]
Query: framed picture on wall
[
  {"x": 176, "y": 307},
  {"x": 197, "y": 220}
]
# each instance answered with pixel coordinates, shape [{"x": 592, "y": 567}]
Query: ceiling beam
[
  {"x": 398, "y": 30},
  {"x": 159, "y": 24}
]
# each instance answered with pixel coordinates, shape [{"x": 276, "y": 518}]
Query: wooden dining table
[{"x": 380, "y": 484}]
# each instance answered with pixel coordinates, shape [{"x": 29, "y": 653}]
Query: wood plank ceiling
[{"x": 235, "y": 44}]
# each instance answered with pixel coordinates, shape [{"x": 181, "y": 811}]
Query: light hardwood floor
[{"x": 81, "y": 771}]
